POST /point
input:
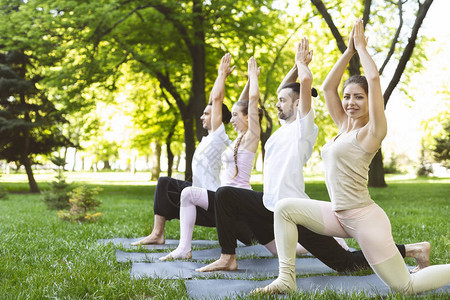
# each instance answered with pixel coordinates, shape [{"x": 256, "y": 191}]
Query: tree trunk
[
  {"x": 198, "y": 54},
  {"x": 156, "y": 170},
  {"x": 169, "y": 150},
  {"x": 31, "y": 181},
  {"x": 189, "y": 142},
  {"x": 376, "y": 171},
  {"x": 107, "y": 165},
  {"x": 169, "y": 161},
  {"x": 177, "y": 162}
]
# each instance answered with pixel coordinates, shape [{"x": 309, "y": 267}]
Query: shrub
[
  {"x": 57, "y": 197},
  {"x": 3, "y": 193},
  {"x": 442, "y": 148},
  {"x": 83, "y": 206}
]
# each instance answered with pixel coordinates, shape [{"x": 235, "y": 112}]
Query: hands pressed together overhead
[{"x": 357, "y": 40}]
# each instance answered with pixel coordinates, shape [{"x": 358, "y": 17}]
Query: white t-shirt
[
  {"x": 287, "y": 151},
  {"x": 206, "y": 162}
]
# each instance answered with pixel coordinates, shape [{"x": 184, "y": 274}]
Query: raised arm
[
  {"x": 244, "y": 94},
  {"x": 374, "y": 132},
  {"x": 331, "y": 85},
  {"x": 302, "y": 59},
  {"x": 290, "y": 77},
  {"x": 254, "y": 130},
  {"x": 218, "y": 91}
]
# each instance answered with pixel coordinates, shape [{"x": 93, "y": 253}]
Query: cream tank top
[
  {"x": 346, "y": 172},
  {"x": 245, "y": 160}
]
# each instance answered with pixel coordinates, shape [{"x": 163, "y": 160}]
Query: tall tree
[
  {"x": 176, "y": 42},
  {"x": 29, "y": 122},
  {"x": 404, "y": 51}
]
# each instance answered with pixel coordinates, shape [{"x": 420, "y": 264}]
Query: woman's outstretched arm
[
  {"x": 254, "y": 130},
  {"x": 331, "y": 85},
  {"x": 376, "y": 129},
  {"x": 244, "y": 94}
]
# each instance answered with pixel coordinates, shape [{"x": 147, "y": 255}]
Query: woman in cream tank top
[{"x": 352, "y": 213}]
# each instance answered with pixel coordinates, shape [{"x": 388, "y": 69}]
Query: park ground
[{"x": 42, "y": 257}]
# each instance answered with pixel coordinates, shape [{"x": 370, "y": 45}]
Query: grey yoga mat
[
  {"x": 247, "y": 269},
  {"x": 206, "y": 254},
  {"x": 370, "y": 285},
  {"x": 126, "y": 243}
]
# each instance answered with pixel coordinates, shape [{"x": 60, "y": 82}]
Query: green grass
[{"x": 42, "y": 257}]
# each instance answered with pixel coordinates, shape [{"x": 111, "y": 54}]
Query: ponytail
[{"x": 235, "y": 152}]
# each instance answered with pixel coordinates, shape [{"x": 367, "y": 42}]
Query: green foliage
[
  {"x": 392, "y": 167},
  {"x": 83, "y": 205},
  {"x": 442, "y": 148},
  {"x": 57, "y": 197},
  {"x": 155, "y": 61}
]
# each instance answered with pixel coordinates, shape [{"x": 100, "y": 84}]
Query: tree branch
[
  {"x": 180, "y": 27},
  {"x": 366, "y": 12},
  {"x": 421, "y": 14},
  {"x": 353, "y": 66},
  {"x": 272, "y": 66},
  {"x": 327, "y": 17},
  {"x": 395, "y": 39},
  {"x": 164, "y": 79},
  {"x": 98, "y": 31}
]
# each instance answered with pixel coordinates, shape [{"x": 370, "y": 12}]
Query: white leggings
[
  {"x": 369, "y": 226},
  {"x": 189, "y": 199}
]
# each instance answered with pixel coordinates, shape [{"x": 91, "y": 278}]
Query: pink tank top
[{"x": 245, "y": 160}]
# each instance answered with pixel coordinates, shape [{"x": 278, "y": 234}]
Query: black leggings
[
  {"x": 167, "y": 204},
  {"x": 234, "y": 204}
]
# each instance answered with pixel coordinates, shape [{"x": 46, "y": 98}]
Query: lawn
[{"x": 42, "y": 257}]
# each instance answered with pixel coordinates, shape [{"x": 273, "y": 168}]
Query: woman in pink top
[
  {"x": 237, "y": 158},
  {"x": 352, "y": 213}
]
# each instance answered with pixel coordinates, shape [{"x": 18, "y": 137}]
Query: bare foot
[
  {"x": 174, "y": 255},
  {"x": 276, "y": 287},
  {"x": 151, "y": 239},
  {"x": 226, "y": 262},
  {"x": 421, "y": 253}
]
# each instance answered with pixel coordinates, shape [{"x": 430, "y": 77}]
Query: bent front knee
[{"x": 402, "y": 288}]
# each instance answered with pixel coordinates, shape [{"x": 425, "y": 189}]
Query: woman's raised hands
[{"x": 359, "y": 39}]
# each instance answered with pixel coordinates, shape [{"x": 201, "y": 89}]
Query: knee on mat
[{"x": 404, "y": 289}]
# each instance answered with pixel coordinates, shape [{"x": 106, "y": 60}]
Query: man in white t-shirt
[{"x": 287, "y": 151}]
